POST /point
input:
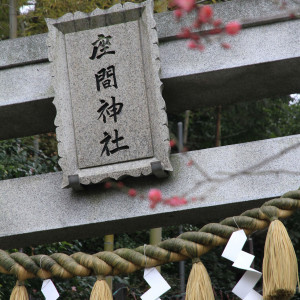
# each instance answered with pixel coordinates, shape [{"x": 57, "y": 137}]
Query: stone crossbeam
[
  {"x": 264, "y": 61},
  {"x": 234, "y": 178}
]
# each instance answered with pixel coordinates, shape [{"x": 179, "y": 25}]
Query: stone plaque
[{"x": 111, "y": 119}]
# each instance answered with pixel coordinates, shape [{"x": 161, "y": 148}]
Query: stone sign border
[{"x": 79, "y": 21}]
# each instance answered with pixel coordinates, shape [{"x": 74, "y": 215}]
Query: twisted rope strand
[{"x": 187, "y": 245}]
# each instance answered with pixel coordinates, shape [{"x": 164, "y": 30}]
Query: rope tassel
[
  {"x": 101, "y": 290},
  {"x": 280, "y": 267},
  {"x": 199, "y": 283},
  {"x": 185, "y": 246},
  {"x": 19, "y": 292}
]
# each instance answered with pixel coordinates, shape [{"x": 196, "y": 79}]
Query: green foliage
[
  {"x": 19, "y": 158},
  {"x": 241, "y": 122},
  {"x": 34, "y": 21},
  {"x": 4, "y": 18}
]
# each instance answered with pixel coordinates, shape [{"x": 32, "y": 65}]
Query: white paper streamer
[
  {"x": 242, "y": 260},
  {"x": 244, "y": 288},
  {"x": 157, "y": 283},
  {"x": 49, "y": 290}
]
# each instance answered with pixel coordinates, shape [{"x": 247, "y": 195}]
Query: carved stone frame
[{"x": 69, "y": 23}]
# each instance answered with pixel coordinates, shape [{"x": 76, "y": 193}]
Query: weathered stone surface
[
  {"x": 35, "y": 210},
  {"x": 127, "y": 93},
  {"x": 26, "y": 101},
  {"x": 22, "y": 51},
  {"x": 264, "y": 61},
  {"x": 250, "y": 12},
  {"x": 110, "y": 112},
  {"x": 28, "y": 50},
  {"x": 29, "y": 83}
]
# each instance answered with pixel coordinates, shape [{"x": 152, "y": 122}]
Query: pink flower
[
  {"x": 195, "y": 37},
  {"x": 233, "y": 28},
  {"x": 205, "y": 13},
  {"x": 74, "y": 289},
  {"x": 155, "y": 197},
  {"x": 185, "y": 33},
  {"x": 178, "y": 13},
  {"x": 172, "y": 143},
  {"x": 192, "y": 45},
  {"x": 132, "y": 192},
  {"x": 176, "y": 201},
  {"x": 185, "y": 5},
  {"x": 217, "y": 23}
]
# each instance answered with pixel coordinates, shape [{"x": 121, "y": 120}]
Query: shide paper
[
  {"x": 157, "y": 283},
  {"x": 49, "y": 290},
  {"x": 242, "y": 260}
]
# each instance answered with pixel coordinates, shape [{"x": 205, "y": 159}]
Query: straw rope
[{"x": 186, "y": 245}]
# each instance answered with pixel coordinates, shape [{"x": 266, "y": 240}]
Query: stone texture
[
  {"x": 130, "y": 93},
  {"x": 117, "y": 128},
  {"x": 264, "y": 61},
  {"x": 29, "y": 83},
  {"x": 26, "y": 101},
  {"x": 28, "y": 50},
  {"x": 22, "y": 51},
  {"x": 35, "y": 210},
  {"x": 253, "y": 46},
  {"x": 249, "y": 12}
]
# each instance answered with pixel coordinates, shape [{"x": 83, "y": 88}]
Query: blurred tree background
[{"x": 242, "y": 122}]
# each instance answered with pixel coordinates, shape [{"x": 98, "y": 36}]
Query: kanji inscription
[
  {"x": 112, "y": 77},
  {"x": 110, "y": 112}
]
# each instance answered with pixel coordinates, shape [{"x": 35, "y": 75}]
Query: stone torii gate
[{"x": 264, "y": 61}]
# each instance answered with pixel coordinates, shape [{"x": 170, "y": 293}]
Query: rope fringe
[
  {"x": 280, "y": 267},
  {"x": 187, "y": 245},
  {"x": 199, "y": 283},
  {"x": 19, "y": 292},
  {"x": 101, "y": 290}
]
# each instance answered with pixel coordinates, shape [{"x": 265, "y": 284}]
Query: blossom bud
[
  {"x": 205, "y": 13},
  {"x": 178, "y": 13},
  {"x": 233, "y": 28}
]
